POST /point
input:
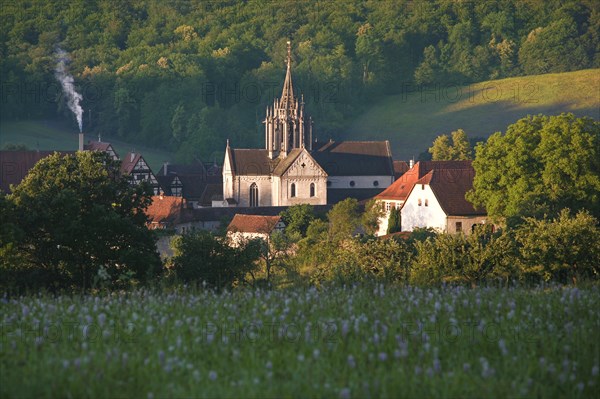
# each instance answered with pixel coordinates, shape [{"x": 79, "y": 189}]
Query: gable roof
[
  {"x": 253, "y": 224},
  {"x": 400, "y": 189},
  {"x": 450, "y": 187},
  {"x": 355, "y": 158},
  {"x": 129, "y": 162},
  {"x": 166, "y": 209}
]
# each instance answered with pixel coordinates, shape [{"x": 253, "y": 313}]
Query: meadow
[
  {"x": 361, "y": 341},
  {"x": 412, "y": 119}
]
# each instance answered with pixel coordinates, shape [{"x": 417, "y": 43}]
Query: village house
[
  {"x": 432, "y": 194},
  {"x": 199, "y": 183},
  {"x": 249, "y": 227}
]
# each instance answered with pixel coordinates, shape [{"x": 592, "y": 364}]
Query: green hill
[
  {"x": 413, "y": 119},
  {"x": 52, "y": 135}
]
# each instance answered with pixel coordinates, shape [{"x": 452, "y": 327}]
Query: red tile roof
[
  {"x": 96, "y": 146},
  {"x": 449, "y": 187},
  {"x": 166, "y": 210},
  {"x": 399, "y": 190},
  {"x": 129, "y": 162},
  {"x": 253, "y": 224}
]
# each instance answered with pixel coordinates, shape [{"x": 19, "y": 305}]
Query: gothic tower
[{"x": 285, "y": 123}]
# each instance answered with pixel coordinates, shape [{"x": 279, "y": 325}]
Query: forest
[{"x": 187, "y": 75}]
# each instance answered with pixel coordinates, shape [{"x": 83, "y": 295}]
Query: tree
[
  {"x": 563, "y": 249},
  {"x": 461, "y": 147},
  {"x": 441, "y": 150},
  {"x": 370, "y": 218},
  {"x": 82, "y": 219},
  {"x": 200, "y": 257},
  {"x": 540, "y": 166},
  {"x": 460, "y": 150},
  {"x": 344, "y": 219},
  {"x": 297, "y": 218},
  {"x": 394, "y": 221}
]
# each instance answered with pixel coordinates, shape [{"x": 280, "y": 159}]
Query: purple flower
[
  {"x": 212, "y": 375},
  {"x": 345, "y": 393},
  {"x": 382, "y": 356}
]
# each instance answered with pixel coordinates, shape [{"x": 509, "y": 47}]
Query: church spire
[{"x": 287, "y": 96}]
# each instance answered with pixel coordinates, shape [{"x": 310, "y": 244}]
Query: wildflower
[
  {"x": 316, "y": 354},
  {"x": 351, "y": 361},
  {"x": 345, "y": 393},
  {"x": 382, "y": 356},
  {"x": 300, "y": 357},
  {"x": 502, "y": 346},
  {"x": 595, "y": 371},
  {"x": 212, "y": 375}
]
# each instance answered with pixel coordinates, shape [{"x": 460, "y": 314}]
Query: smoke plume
[{"x": 68, "y": 86}]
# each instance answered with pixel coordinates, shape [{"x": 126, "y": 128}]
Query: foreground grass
[
  {"x": 413, "y": 119},
  {"x": 357, "y": 342}
]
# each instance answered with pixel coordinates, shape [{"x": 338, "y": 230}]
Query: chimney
[
  {"x": 165, "y": 167},
  {"x": 80, "y": 141},
  {"x": 132, "y": 156}
]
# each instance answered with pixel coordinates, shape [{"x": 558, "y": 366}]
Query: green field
[
  {"x": 413, "y": 119},
  {"x": 52, "y": 135},
  {"x": 362, "y": 341}
]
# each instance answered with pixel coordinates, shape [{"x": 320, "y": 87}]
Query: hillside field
[
  {"x": 363, "y": 341},
  {"x": 52, "y": 135},
  {"x": 413, "y": 119}
]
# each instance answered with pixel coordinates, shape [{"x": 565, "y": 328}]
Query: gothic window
[
  {"x": 253, "y": 195},
  {"x": 312, "y": 189},
  {"x": 293, "y": 190}
]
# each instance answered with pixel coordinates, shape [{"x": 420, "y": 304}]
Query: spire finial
[
  {"x": 289, "y": 54},
  {"x": 227, "y": 142}
]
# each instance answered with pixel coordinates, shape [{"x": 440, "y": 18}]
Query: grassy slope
[
  {"x": 411, "y": 121},
  {"x": 50, "y": 135}
]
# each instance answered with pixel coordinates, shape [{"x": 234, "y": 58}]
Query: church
[{"x": 293, "y": 168}]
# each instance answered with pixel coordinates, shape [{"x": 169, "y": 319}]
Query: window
[
  {"x": 352, "y": 183},
  {"x": 422, "y": 187},
  {"x": 388, "y": 206},
  {"x": 312, "y": 189},
  {"x": 426, "y": 202},
  {"x": 419, "y": 202},
  {"x": 376, "y": 183},
  {"x": 293, "y": 190},
  {"x": 458, "y": 227},
  {"x": 253, "y": 195}
]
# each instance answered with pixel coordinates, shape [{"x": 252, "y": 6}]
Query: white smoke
[{"x": 68, "y": 86}]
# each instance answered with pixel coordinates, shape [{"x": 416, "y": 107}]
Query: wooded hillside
[{"x": 186, "y": 75}]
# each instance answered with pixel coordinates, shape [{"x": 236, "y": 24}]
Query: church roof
[
  {"x": 252, "y": 162},
  {"x": 355, "y": 158}
]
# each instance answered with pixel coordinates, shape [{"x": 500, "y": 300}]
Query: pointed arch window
[
  {"x": 253, "y": 195},
  {"x": 312, "y": 189},
  {"x": 293, "y": 190}
]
